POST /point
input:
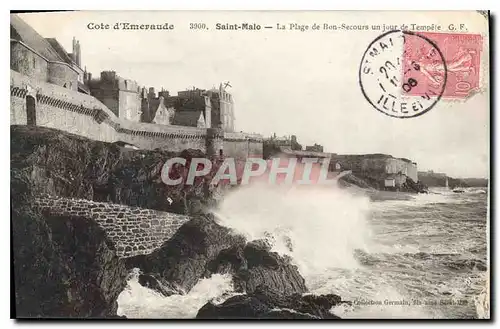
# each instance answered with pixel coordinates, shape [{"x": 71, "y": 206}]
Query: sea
[{"x": 391, "y": 255}]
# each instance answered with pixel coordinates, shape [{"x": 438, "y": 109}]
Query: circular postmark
[{"x": 402, "y": 74}]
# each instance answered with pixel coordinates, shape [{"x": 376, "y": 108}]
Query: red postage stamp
[{"x": 462, "y": 55}]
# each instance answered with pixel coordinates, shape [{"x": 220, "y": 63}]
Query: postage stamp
[
  {"x": 462, "y": 55},
  {"x": 392, "y": 81}
]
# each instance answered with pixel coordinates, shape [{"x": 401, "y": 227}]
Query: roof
[
  {"x": 171, "y": 101},
  {"x": 20, "y": 30},
  {"x": 187, "y": 118},
  {"x": 60, "y": 51},
  {"x": 83, "y": 88}
]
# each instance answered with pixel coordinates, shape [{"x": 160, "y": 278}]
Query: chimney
[
  {"x": 73, "y": 53},
  {"x": 78, "y": 54}
]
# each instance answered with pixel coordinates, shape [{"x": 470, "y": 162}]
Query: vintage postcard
[{"x": 250, "y": 164}]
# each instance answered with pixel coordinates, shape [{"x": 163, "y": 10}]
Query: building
[
  {"x": 401, "y": 166},
  {"x": 286, "y": 143},
  {"x": 46, "y": 90},
  {"x": 47, "y": 60},
  {"x": 74, "y": 59},
  {"x": 155, "y": 109},
  {"x": 394, "y": 181},
  {"x": 44, "y": 59},
  {"x": 223, "y": 107},
  {"x": 120, "y": 95},
  {"x": 283, "y": 143},
  {"x": 192, "y": 108},
  {"x": 315, "y": 148},
  {"x": 216, "y": 105},
  {"x": 387, "y": 170},
  {"x": 164, "y": 115},
  {"x": 195, "y": 107}
]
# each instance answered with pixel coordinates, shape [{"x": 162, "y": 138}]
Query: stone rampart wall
[
  {"x": 84, "y": 115},
  {"x": 77, "y": 113}
]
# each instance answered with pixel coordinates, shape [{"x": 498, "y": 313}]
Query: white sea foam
[
  {"x": 482, "y": 301},
  {"x": 336, "y": 242},
  {"x": 137, "y": 301},
  {"x": 327, "y": 228},
  {"x": 325, "y": 225}
]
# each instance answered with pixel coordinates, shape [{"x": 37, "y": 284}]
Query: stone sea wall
[{"x": 134, "y": 231}]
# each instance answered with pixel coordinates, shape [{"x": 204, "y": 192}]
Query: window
[{"x": 34, "y": 62}]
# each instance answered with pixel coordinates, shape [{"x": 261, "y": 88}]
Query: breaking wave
[
  {"x": 319, "y": 227},
  {"x": 382, "y": 252},
  {"x": 138, "y": 302}
]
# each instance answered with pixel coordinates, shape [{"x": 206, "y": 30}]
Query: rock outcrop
[
  {"x": 202, "y": 247},
  {"x": 67, "y": 165},
  {"x": 254, "y": 265},
  {"x": 182, "y": 260},
  {"x": 63, "y": 266},
  {"x": 66, "y": 266},
  {"x": 268, "y": 304},
  {"x": 155, "y": 283}
]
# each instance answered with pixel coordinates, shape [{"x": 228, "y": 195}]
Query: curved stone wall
[{"x": 134, "y": 231}]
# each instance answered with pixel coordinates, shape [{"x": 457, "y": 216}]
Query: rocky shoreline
[{"x": 66, "y": 265}]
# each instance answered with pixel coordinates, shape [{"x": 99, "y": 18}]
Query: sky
[{"x": 288, "y": 81}]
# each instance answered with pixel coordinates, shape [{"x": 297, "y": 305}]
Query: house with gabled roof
[{"x": 44, "y": 59}]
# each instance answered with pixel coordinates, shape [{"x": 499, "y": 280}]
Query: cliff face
[
  {"x": 66, "y": 265},
  {"x": 67, "y": 165},
  {"x": 439, "y": 180},
  {"x": 371, "y": 171},
  {"x": 371, "y": 182},
  {"x": 63, "y": 266}
]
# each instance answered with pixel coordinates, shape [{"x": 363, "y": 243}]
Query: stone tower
[
  {"x": 226, "y": 110},
  {"x": 121, "y": 96}
]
